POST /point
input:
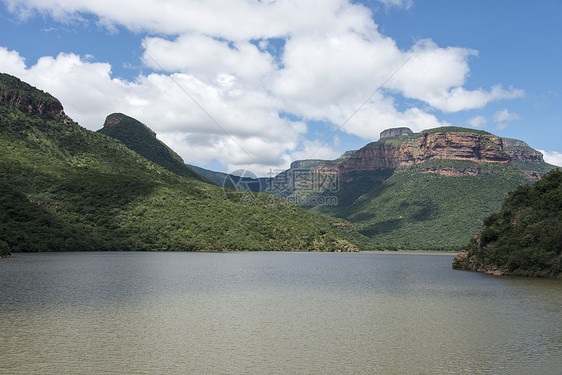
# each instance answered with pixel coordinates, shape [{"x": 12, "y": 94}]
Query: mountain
[
  {"x": 525, "y": 237},
  {"x": 427, "y": 190},
  {"x": 141, "y": 139},
  {"x": 66, "y": 188}
]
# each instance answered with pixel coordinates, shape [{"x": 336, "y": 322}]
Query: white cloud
[
  {"x": 199, "y": 55},
  {"x": 213, "y": 58},
  {"x": 459, "y": 99},
  {"x": 11, "y": 62},
  {"x": 477, "y": 122},
  {"x": 435, "y": 75},
  {"x": 502, "y": 119},
  {"x": 248, "y": 130},
  {"x": 231, "y": 20},
  {"x": 552, "y": 157},
  {"x": 505, "y": 116},
  {"x": 407, "y": 4}
]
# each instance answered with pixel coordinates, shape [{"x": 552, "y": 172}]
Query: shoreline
[
  {"x": 403, "y": 252},
  {"x": 412, "y": 252}
]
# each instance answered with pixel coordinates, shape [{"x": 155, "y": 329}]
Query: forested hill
[
  {"x": 65, "y": 188},
  {"x": 141, "y": 139},
  {"x": 524, "y": 237}
]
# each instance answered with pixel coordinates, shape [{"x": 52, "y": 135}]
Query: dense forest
[
  {"x": 66, "y": 188},
  {"x": 524, "y": 237}
]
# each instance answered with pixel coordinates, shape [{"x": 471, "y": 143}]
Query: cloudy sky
[{"x": 259, "y": 83}]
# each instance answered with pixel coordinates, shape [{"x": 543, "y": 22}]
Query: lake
[{"x": 272, "y": 313}]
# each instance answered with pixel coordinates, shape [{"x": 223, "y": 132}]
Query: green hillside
[
  {"x": 525, "y": 236},
  {"x": 66, "y": 188},
  {"x": 405, "y": 209}
]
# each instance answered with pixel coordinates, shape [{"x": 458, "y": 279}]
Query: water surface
[{"x": 272, "y": 313}]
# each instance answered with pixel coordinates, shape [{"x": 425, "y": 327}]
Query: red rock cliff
[{"x": 481, "y": 148}]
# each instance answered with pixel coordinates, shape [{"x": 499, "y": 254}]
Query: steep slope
[
  {"x": 429, "y": 190},
  {"x": 67, "y": 188},
  {"x": 413, "y": 210},
  {"x": 524, "y": 237},
  {"x": 141, "y": 139}
]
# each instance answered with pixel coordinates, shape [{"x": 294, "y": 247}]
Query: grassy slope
[{"x": 73, "y": 189}]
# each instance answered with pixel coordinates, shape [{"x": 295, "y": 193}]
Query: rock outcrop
[
  {"x": 395, "y": 132},
  {"x": 477, "y": 147},
  {"x": 308, "y": 163},
  {"x": 28, "y": 99},
  {"x": 400, "y": 147},
  {"x": 519, "y": 150},
  {"x": 115, "y": 119},
  {"x": 481, "y": 148}
]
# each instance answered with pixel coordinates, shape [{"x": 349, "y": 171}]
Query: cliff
[
  {"x": 519, "y": 150},
  {"x": 430, "y": 151},
  {"x": 28, "y": 100},
  {"x": 441, "y": 143},
  {"x": 395, "y": 132},
  {"x": 308, "y": 163},
  {"x": 427, "y": 190}
]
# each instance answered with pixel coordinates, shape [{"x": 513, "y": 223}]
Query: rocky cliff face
[
  {"x": 480, "y": 148},
  {"x": 395, "y": 132},
  {"x": 519, "y": 150},
  {"x": 400, "y": 147},
  {"x": 25, "y": 103},
  {"x": 373, "y": 156},
  {"x": 28, "y": 99}
]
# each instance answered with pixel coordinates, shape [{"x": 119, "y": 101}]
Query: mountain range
[
  {"x": 67, "y": 188},
  {"x": 427, "y": 190},
  {"x": 64, "y": 187}
]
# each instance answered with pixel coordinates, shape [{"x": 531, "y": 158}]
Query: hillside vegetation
[
  {"x": 67, "y": 188},
  {"x": 141, "y": 139},
  {"x": 412, "y": 210},
  {"x": 524, "y": 237}
]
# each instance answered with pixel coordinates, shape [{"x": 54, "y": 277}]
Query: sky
[{"x": 256, "y": 84}]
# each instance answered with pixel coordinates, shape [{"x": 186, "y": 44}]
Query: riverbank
[{"x": 410, "y": 252}]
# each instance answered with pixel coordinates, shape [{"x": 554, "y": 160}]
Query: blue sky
[{"x": 257, "y": 84}]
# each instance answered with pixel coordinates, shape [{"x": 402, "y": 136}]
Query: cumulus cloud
[
  {"x": 505, "y": 116},
  {"x": 225, "y": 74},
  {"x": 244, "y": 130},
  {"x": 552, "y": 157},
  {"x": 502, "y": 119},
  {"x": 230, "y": 20},
  {"x": 477, "y": 122}
]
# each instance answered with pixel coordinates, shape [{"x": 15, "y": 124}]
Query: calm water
[{"x": 272, "y": 313}]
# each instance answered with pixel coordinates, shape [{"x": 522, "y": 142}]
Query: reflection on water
[{"x": 275, "y": 313}]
